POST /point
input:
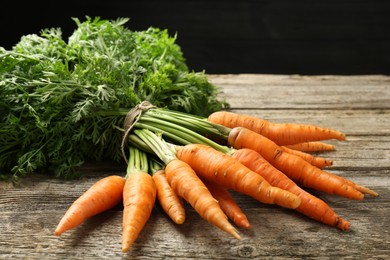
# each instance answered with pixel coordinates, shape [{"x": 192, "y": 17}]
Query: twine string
[{"x": 131, "y": 119}]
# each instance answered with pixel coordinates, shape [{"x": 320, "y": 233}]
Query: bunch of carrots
[{"x": 175, "y": 157}]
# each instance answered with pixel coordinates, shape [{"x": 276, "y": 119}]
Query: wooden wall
[{"x": 280, "y": 36}]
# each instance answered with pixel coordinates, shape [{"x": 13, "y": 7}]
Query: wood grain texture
[{"x": 358, "y": 105}]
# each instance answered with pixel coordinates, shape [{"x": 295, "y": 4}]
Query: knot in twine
[{"x": 132, "y": 117}]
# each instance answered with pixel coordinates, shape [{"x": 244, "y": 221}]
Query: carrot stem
[
  {"x": 138, "y": 161},
  {"x": 196, "y": 123},
  {"x": 177, "y": 132}
]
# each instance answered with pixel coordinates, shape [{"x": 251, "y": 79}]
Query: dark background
[{"x": 280, "y": 37}]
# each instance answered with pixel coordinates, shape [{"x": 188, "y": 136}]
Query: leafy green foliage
[{"x": 63, "y": 103}]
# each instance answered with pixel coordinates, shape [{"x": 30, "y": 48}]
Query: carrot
[
  {"x": 297, "y": 169},
  {"x": 101, "y": 196},
  {"x": 281, "y": 134},
  {"x": 186, "y": 183},
  {"x": 170, "y": 202},
  {"x": 228, "y": 204},
  {"x": 139, "y": 195},
  {"x": 310, "y": 206},
  {"x": 218, "y": 167},
  {"x": 313, "y": 160},
  {"x": 312, "y": 147}
]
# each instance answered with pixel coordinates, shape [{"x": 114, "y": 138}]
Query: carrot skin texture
[
  {"x": 139, "y": 196},
  {"x": 218, "y": 167},
  {"x": 171, "y": 203},
  {"x": 311, "y": 206},
  {"x": 281, "y": 134},
  {"x": 101, "y": 196},
  {"x": 228, "y": 204},
  {"x": 296, "y": 168},
  {"x": 185, "y": 182},
  {"x": 312, "y": 147},
  {"x": 313, "y": 160}
]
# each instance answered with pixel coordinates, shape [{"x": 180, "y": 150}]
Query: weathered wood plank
[
  {"x": 254, "y": 91},
  {"x": 40, "y": 202},
  {"x": 30, "y": 209}
]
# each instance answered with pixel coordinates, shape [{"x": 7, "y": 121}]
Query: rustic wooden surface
[{"x": 357, "y": 105}]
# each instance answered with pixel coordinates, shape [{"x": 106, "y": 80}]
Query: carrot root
[
  {"x": 281, "y": 134},
  {"x": 139, "y": 196},
  {"x": 185, "y": 182},
  {"x": 101, "y": 196},
  {"x": 228, "y": 205},
  {"x": 312, "y": 147},
  {"x": 313, "y": 160},
  {"x": 171, "y": 203}
]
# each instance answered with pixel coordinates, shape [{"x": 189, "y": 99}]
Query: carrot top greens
[{"x": 63, "y": 103}]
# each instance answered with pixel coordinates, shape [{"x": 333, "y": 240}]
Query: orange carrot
[
  {"x": 311, "y": 206},
  {"x": 312, "y": 147},
  {"x": 228, "y": 204},
  {"x": 170, "y": 202},
  {"x": 281, "y": 134},
  {"x": 297, "y": 169},
  {"x": 139, "y": 195},
  {"x": 313, "y": 160},
  {"x": 186, "y": 183},
  {"x": 138, "y": 200},
  {"x": 218, "y": 167},
  {"x": 101, "y": 196}
]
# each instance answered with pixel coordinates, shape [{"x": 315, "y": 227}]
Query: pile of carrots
[{"x": 176, "y": 158}]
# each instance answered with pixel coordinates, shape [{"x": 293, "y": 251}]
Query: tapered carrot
[
  {"x": 218, "y": 167},
  {"x": 312, "y": 147},
  {"x": 101, "y": 196},
  {"x": 139, "y": 195},
  {"x": 281, "y": 134},
  {"x": 186, "y": 183},
  {"x": 310, "y": 206},
  {"x": 228, "y": 204},
  {"x": 317, "y": 161},
  {"x": 170, "y": 202},
  {"x": 297, "y": 169}
]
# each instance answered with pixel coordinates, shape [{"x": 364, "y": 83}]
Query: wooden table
[{"x": 356, "y": 105}]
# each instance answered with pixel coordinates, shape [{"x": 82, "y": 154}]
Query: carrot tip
[
  {"x": 179, "y": 220},
  {"x": 329, "y": 162},
  {"x": 236, "y": 235},
  {"x": 366, "y": 190},
  {"x": 126, "y": 247},
  {"x": 58, "y": 231},
  {"x": 343, "y": 224},
  {"x": 245, "y": 225}
]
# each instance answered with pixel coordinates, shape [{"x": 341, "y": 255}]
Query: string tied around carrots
[{"x": 131, "y": 119}]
